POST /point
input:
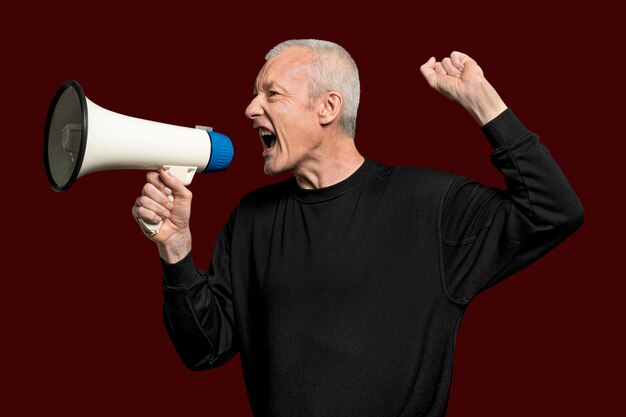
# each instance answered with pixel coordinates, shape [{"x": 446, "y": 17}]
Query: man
[{"x": 343, "y": 287}]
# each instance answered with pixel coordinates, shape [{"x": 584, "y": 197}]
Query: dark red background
[{"x": 81, "y": 311}]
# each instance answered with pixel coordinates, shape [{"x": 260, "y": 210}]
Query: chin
[
  {"x": 274, "y": 169},
  {"x": 270, "y": 170}
]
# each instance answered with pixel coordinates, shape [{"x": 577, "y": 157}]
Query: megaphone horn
[{"x": 81, "y": 137}]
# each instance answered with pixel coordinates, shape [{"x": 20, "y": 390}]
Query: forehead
[{"x": 288, "y": 69}]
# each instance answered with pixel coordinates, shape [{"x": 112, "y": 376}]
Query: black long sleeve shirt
[{"x": 345, "y": 301}]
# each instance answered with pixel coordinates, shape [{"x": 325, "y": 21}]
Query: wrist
[
  {"x": 486, "y": 105},
  {"x": 175, "y": 248}
]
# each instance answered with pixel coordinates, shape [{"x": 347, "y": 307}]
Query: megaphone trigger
[{"x": 183, "y": 173}]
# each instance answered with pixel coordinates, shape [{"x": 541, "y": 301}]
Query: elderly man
[{"x": 343, "y": 286}]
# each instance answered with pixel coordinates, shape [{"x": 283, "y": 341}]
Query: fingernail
[
  {"x": 167, "y": 191},
  {"x": 169, "y": 206},
  {"x": 165, "y": 214}
]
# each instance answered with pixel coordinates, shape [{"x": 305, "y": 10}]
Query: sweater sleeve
[
  {"x": 487, "y": 234},
  {"x": 198, "y": 307}
]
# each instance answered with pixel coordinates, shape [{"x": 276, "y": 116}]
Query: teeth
[{"x": 263, "y": 131}]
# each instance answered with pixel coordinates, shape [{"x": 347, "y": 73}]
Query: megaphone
[{"x": 81, "y": 137}]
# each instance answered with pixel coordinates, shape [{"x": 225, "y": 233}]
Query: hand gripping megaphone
[{"x": 81, "y": 137}]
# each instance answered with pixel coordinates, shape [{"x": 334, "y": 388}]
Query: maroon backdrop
[{"x": 81, "y": 310}]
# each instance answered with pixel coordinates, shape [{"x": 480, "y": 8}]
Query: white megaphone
[{"x": 81, "y": 137}]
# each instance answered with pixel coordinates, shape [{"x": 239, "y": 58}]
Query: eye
[{"x": 272, "y": 93}]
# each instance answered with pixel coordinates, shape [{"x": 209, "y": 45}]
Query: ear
[{"x": 330, "y": 107}]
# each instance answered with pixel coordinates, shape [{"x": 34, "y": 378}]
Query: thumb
[{"x": 465, "y": 62}]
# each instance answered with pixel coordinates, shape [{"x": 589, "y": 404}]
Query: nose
[{"x": 254, "y": 109}]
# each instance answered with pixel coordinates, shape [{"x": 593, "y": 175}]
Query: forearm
[
  {"x": 197, "y": 315},
  {"x": 535, "y": 183}
]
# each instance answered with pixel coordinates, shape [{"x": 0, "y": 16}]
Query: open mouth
[{"x": 269, "y": 138}]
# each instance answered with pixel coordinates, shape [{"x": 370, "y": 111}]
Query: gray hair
[{"x": 332, "y": 69}]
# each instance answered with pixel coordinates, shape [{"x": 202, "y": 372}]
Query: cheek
[{"x": 295, "y": 129}]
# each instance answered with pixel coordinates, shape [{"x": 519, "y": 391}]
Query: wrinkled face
[{"x": 282, "y": 113}]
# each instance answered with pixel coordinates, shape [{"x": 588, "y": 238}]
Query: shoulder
[
  {"x": 422, "y": 173},
  {"x": 418, "y": 177}
]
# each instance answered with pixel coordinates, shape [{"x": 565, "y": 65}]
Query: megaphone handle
[{"x": 182, "y": 173}]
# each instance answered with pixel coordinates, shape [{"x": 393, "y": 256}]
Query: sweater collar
[{"x": 318, "y": 195}]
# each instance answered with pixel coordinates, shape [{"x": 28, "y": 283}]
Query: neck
[{"x": 334, "y": 163}]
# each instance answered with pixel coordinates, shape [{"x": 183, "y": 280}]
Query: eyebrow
[{"x": 269, "y": 86}]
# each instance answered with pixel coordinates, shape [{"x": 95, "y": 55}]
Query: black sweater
[{"x": 345, "y": 301}]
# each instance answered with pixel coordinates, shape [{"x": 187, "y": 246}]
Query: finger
[
  {"x": 154, "y": 178},
  {"x": 150, "y": 191},
  {"x": 147, "y": 208},
  {"x": 450, "y": 69},
  {"x": 428, "y": 71},
  {"x": 428, "y": 65},
  {"x": 142, "y": 213},
  {"x": 439, "y": 69},
  {"x": 153, "y": 200},
  {"x": 148, "y": 216}
]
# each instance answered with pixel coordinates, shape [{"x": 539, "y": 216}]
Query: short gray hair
[{"x": 332, "y": 69}]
